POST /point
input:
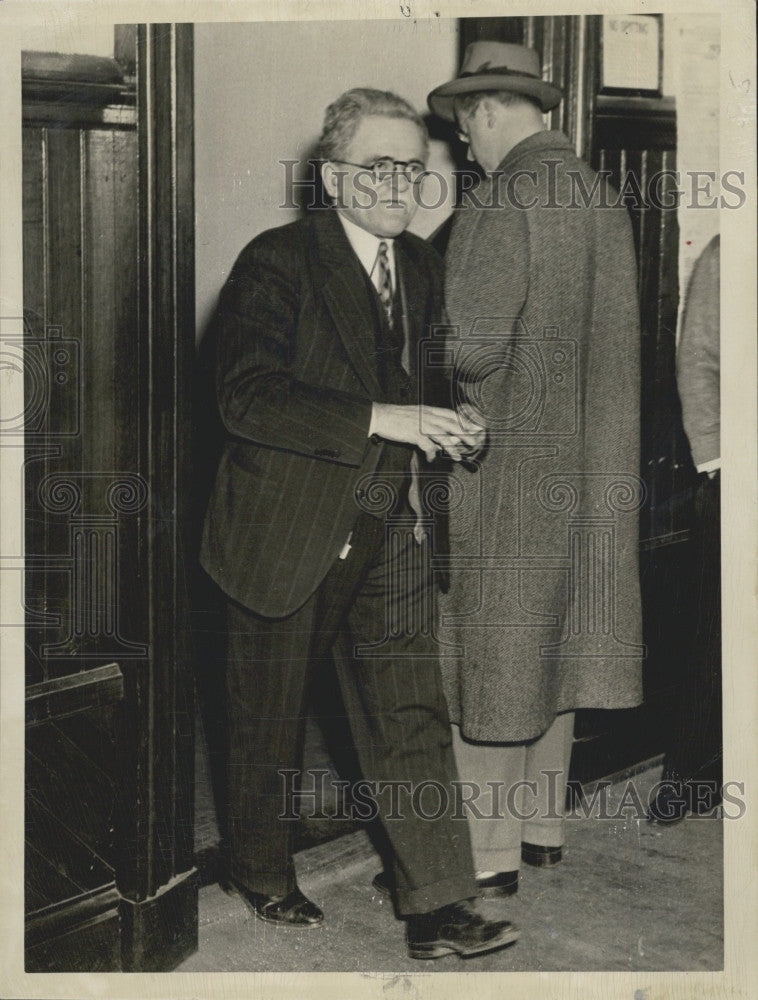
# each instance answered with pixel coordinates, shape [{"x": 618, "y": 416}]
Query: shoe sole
[
  {"x": 542, "y": 860},
  {"x": 232, "y": 890},
  {"x": 497, "y": 891},
  {"x": 440, "y": 949},
  {"x": 381, "y": 888},
  {"x": 284, "y": 923}
]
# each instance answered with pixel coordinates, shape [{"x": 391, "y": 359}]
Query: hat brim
[{"x": 441, "y": 98}]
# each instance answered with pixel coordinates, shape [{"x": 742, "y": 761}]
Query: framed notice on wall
[{"x": 632, "y": 55}]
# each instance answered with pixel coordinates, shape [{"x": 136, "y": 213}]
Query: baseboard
[
  {"x": 79, "y": 935},
  {"x": 160, "y": 932}
]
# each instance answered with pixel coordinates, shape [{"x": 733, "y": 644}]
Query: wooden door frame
[{"x": 157, "y": 880}]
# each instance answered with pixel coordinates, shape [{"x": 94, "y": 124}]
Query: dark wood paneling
[
  {"x": 61, "y": 840},
  {"x": 55, "y": 114},
  {"x": 100, "y": 335},
  {"x": 108, "y": 262},
  {"x": 654, "y": 123},
  {"x": 34, "y": 151},
  {"x": 81, "y": 936},
  {"x": 73, "y": 731},
  {"x": 646, "y": 176},
  {"x": 79, "y": 234},
  {"x": 78, "y": 692},
  {"x": 75, "y": 91}
]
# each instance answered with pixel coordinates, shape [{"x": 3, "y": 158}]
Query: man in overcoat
[
  {"x": 317, "y": 331},
  {"x": 543, "y": 604}
]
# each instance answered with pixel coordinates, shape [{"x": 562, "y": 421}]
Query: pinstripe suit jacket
[{"x": 296, "y": 376}]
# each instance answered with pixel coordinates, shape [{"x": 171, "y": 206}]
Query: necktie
[
  {"x": 384, "y": 283},
  {"x": 384, "y": 280}
]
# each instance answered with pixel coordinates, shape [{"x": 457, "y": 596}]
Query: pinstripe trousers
[{"x": 395, "y": 706}]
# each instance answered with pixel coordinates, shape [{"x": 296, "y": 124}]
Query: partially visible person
[
  {"x": 317, "y": 330},
  {"x": 692, "y": 768},
  {"x": 544, "y": 597}
]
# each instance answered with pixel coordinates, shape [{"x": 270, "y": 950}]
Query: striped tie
[{"x": 384, "y": 280}]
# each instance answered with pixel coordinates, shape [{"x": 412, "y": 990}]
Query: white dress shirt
[{"x": 366, "y": 246}]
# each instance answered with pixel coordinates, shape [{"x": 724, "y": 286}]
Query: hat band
[{"x": 497, "y": 71}]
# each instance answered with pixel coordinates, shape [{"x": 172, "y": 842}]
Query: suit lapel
[{"x": 343, "y": 283}]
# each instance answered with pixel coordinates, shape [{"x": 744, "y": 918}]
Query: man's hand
[{"x": 433, "y": 429}]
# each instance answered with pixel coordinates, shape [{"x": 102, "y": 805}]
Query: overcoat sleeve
[{"x": 498, "y": 244}]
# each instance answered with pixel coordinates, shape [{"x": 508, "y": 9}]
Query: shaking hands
[{"x": 433, "y": 429}]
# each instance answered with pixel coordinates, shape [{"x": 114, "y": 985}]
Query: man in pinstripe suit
[{"x": 317, "y": 331}]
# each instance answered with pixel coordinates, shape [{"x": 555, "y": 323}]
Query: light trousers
[{"x": 518, "y": 791}]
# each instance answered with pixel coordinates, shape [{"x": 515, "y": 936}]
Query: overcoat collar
[
  {"x": 548, "y": 140},
  {"x": 343, "y": 283}
]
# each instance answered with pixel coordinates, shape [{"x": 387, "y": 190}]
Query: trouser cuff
[
  {"x": 435, "y": 894},
  {"x": 547, "y": 833},
  {"x": 266, "y": 883}
]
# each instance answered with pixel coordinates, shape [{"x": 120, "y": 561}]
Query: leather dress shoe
[
  {"x": 539, "y": 856},
  {"x": 499, "y": 884},
  {"x": 381, "y": 883},
  {"x": 674, "y": 799},
  {"x": 493, "y": 887},
  {"x": 456, "y": 928},
  {"x": 670, "y": 804},
  {"x": 292, "y": 910}
]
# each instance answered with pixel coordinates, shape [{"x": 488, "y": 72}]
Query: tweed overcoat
[{"x": 543, "y": 610}]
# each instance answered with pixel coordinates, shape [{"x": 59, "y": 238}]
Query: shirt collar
[{"x": 366, "y": 246}]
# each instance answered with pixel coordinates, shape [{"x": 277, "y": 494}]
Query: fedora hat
[{"x": 496, "y": 66}]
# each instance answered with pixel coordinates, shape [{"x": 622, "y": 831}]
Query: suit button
[
  {"x": 360, "y": 493},
  {"x": 375, "y": 439}
]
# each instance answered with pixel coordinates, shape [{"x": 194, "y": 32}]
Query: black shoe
[
  {"x": 381, "y": 883},
  {"x": 673, "y": 799},
  {"x": 670, "y": 804},
  {"x": 539, "y": 856},
  {"x": 499, "y": 884},
  {"x": 456, "y": 928},
  {"x": 292, "y": 910}
]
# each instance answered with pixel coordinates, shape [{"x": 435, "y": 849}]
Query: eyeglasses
[{"x": 384, "y": 168}]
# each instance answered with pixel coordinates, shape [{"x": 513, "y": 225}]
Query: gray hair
[{"x": 344, "y": 115}]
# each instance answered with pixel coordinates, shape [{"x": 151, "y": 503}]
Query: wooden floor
[{"x": 628, "y": 896}]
